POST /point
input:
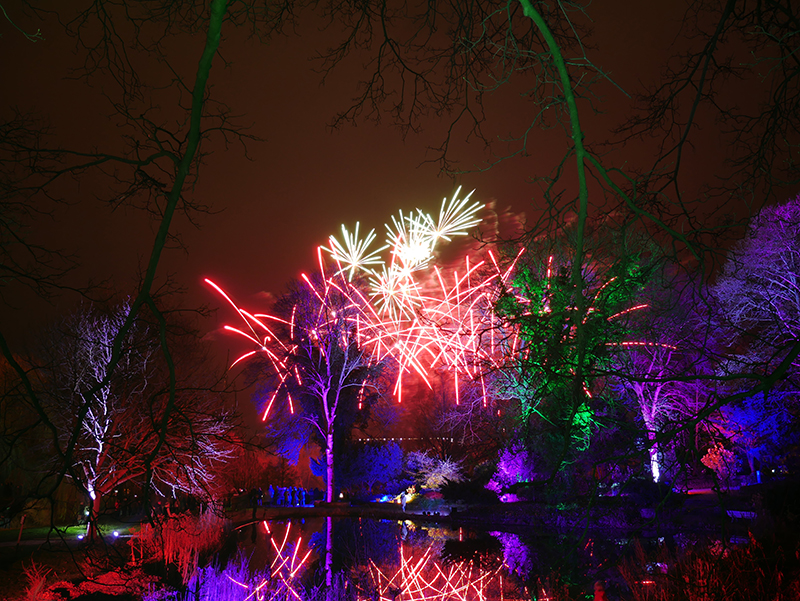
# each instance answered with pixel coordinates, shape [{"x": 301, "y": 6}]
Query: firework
[
  {"x": 353, "y": 253},
  {"x": 414, "y": 313}
]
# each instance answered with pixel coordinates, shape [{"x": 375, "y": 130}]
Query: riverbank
[{"x": 699, "y": 510}]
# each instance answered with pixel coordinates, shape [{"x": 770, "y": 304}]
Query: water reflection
[{"x": 381, "y": 560}]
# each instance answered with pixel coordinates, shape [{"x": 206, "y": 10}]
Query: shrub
[
  {"x": 722, "y": 461},
  {"x": 181, "y": 540},
  {"x": 515, "y": 466}
]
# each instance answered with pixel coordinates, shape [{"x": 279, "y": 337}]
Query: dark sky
[{"x": 304, "y": 180}]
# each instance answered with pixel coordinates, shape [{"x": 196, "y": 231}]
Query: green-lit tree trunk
[{"x": 576, "y": 277}]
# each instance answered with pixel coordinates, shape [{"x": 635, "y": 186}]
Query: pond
[{"x": 408, "y": 560}]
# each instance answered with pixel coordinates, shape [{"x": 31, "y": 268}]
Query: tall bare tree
[{"x": 153, "y": 165}]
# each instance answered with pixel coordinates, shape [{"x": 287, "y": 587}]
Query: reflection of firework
[
  {"x": 283, "y": 581},
  {"x": 423, "y": 578}
]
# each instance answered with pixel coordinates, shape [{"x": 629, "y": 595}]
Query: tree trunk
[
  {"x": 91, "y": 529},
  {"x": 329, "y": 462},
  {"x": 655, "y": 467}
]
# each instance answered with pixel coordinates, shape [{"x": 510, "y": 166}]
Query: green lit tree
[{"x": 559, "y": 376}]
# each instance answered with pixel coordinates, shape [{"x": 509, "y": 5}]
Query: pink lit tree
[{"x": 649, "y": 382}]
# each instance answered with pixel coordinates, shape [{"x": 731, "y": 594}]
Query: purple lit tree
[
  {"x": 314, "y": 355},
  {"x": 669, "y": 376},
  {"x": 759, "y": 295},
  {"x": 759, "y": 289},
  {"x": 649, "y": 384}
]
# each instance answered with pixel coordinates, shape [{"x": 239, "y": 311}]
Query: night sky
[{"x": 304, "y": 180}]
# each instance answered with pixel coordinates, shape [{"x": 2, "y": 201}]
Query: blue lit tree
[
  {"x": 761, "y": 426},
  {"x": 317, "y": 362},
  {"x": 366, "y": 465}
]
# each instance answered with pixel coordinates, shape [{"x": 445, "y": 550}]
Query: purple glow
[
  {"x": 516, "y": 555},
  {"x": 515, "y": 465}
]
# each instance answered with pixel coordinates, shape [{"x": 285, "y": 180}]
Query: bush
[
  {"x": 181, "y": 540},
  {"x": 433, "y": 473},
  {"x": 515, "y": 466},
  {"x": 469, "y": 491}
]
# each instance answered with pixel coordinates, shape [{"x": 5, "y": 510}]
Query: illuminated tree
[
  {"x": 721, "y": 50},
  {"x": 761, "y": 426},
  {"x": 370, "y": 464},
  {"x": 759, "y": 288},
  {"x": 431, "y": 472},
  {"x": 557, "y": 375},
  {"x": 314, "y": 358},
  {"x": 83, "y": 355},
  {"x": 650, "y": 383},
  {"x": 148, "y": 167},
  {"x": 116, "y": 431}
]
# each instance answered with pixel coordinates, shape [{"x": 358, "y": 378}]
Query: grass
[
  {"x": 59, "y": 549},
  {"x": 9, "y": 535}
]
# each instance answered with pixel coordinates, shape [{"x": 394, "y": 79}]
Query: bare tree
[
  {"x": 736, "y": 66},
  {"x": 153, "y": 165},
  {"x": 316, "y": 365},
  {"x": 115, "y": 431},
  {"x": 759, "y": 288}
]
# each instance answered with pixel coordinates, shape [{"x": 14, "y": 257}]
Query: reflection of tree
[
  {"x": 343, "y": 544},
  {"x": 516, "y": 554}
]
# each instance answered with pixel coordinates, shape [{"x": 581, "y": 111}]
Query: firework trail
[{"x": 398, "y": 304}]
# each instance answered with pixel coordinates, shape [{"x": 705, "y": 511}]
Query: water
[
  {"x": 381, "y": 558},
  {"x": 364, "y": 559},
  {"x": 434, "y": 560}
]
